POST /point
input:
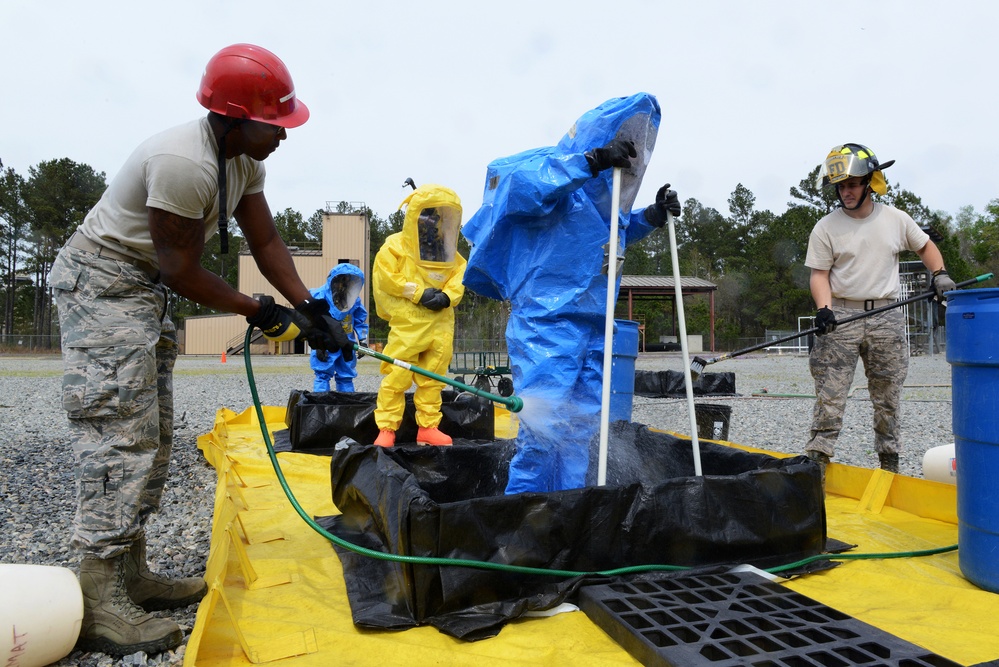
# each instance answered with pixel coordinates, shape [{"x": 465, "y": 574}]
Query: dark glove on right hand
[
  {"x": 941, "y": 284},
  {"x": 825, "y": 321},
  {"x": 667, "y": 201},
  {"x": 276, "y": 322},
  {"x": 614, "y": 154},
  {"x": 325, "y": 333},
  {"x": 434, "y": 299},
  {"x": 322, "y": 355}
]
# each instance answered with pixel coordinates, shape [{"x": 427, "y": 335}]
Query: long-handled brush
[
  {"x": 612, "y": 250},
  {"x": 698, "y": 364},
  {"x": 511, "y": 403}
]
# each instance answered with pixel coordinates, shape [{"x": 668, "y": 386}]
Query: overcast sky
[{"x": 752, "y": 92}]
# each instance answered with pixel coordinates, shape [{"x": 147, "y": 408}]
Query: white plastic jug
[
  {"x": 940, "y": 464},
  {"x": 41, "y": 612}
]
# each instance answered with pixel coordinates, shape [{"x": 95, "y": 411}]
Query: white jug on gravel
[
  {"x": 940, "y": 464},
  {"x": 41, "y": 611}
]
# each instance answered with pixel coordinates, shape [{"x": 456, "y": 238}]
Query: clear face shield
[
  {"x": 837, "y": 168},
  {"x": 438, "y": 234},
  {"x": 640, "y": 130},
  {"x": 345, "y": 290}
]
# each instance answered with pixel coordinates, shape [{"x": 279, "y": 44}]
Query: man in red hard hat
[{"x": 144, "y": 238}]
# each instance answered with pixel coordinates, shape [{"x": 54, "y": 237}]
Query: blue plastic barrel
[
  {"x": 625, "y": 353},
  {"x": 973, "y": 353}
]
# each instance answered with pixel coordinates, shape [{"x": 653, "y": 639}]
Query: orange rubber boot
[
  {"x": 386, "y": 438},
  {"x": 432, "y": 436}
]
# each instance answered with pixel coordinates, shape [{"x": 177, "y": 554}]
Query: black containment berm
[
  {"x": 674, "y": 383},
  {"x": 317, "y": 421},
  {"x": 448, "y": 502}
]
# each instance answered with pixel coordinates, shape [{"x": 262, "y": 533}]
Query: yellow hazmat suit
[{"x": 410, "y": 269}]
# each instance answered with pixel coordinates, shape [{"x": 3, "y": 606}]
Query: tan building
[{"x": 346, "y": 238}]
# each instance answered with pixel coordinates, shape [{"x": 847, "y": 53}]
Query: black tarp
[
  {"x": 318, "y": 420},
  {"x": 448, "y": 502},
  {"x": 673, "y": 383}
]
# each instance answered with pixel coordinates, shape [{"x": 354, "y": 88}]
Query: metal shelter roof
[
  {"x": 650, "y": 284},
  {"x": 645, "y": 288}
]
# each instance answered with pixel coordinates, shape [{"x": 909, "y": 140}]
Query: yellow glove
[{"x": 276, "y": 322}]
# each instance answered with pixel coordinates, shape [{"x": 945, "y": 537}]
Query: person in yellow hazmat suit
[{"x": 417, "y": 282}]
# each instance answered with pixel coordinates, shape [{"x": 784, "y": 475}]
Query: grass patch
[{"x": 31, "y": 374}]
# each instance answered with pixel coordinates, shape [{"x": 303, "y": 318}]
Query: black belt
[
  {"x": 81, "y": 242},
  {"x": 866, "y": 304}
]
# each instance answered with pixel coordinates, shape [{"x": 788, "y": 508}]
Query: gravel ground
[{"x": 772, "y": 411}]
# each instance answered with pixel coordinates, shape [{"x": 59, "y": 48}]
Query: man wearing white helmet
[
  {"x": 853, "y": 254},
  {"x": 144, "y": 237}
]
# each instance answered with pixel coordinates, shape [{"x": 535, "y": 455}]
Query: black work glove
[
  {"x": 434, "y": 299},
  {"x": 614, "y": 154},
  {"x": 825, "y": 321},
  {"x": 324, "y": 332},
  {"x": 667, "y": 201},
  {"x": 322, "y": 355},
  {"x": 276, "y": 322},
  {"x": 941, "y": 283}
]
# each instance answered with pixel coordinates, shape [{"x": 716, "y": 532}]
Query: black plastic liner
[
  {"x": 673, "y": 383},
  {"x": 317, "y": 421},
  {"x": 448, "y": 502}
]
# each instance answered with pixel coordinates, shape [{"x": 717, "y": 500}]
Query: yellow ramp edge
[{"x": 276, "y": 589}]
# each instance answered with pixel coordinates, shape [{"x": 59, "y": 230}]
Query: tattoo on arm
[{"x": 179, "y": 241}]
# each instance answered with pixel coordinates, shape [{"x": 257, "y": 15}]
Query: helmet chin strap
[{"x": 223, "y": 223}]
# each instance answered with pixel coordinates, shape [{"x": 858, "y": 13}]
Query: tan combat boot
[
  {"x": 153, "y": 592},
  {"x": 112, "y": 623},
  {"x": 822, "y": 460},
  {"x": 888, "y": 462}
]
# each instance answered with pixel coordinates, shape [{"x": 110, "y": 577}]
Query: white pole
[
  {"x": 683, "y": 347},
  {"x": 609, "y": 327}
]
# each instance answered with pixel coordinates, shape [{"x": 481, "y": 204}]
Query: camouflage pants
[
  {"x": 119, "y": 347},
  {"x": 879, "y": 340}
]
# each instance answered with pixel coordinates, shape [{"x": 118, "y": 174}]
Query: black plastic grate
[{"x": 739, "y": 620}]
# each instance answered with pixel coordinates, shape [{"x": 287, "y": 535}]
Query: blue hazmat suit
[
  {"x": 342, "y": 291},
  {"x": 412, "y": 265},
  {"x": 539, "y": 241}
]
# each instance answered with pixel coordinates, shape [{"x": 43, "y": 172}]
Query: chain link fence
[{"x": 11, "y": 343}]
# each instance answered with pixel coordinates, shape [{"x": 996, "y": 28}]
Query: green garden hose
[{"x": 512, "y": 403}]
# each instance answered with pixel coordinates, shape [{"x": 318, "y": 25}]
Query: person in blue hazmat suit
[
  {"x": 540, "y": 241},
  {"x": 417, "y": 281},
  {"x": 342, "y": 291}
]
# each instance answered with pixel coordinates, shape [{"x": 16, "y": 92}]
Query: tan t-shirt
[
  {"x": 175, "y": 170},
  {"x": 862, "y": 255}
]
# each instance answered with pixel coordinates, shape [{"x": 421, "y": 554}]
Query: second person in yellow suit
[{"x": 417, "y": 282}]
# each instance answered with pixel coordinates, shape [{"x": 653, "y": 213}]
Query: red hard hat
[{"x": 247, "y": 81}]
